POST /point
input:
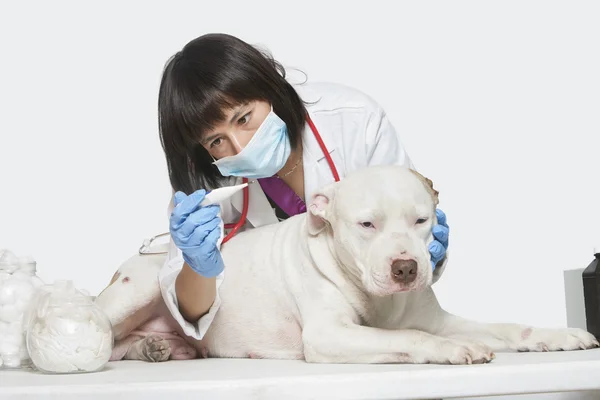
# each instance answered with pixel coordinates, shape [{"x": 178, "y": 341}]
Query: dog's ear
[
  {"x": 429, "y": 185},
  {"x": 434, "y": 193},
  {"x": 319, "y": 209}
]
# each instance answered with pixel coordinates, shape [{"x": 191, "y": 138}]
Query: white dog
[{"x": 347, "y": 282}]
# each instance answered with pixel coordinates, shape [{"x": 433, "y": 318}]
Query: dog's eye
[
  {"x": 421, "y": 221},
  {"x": 367, "y": 224}
]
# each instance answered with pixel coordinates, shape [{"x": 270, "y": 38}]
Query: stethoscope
[{"x": 235, "y": 227}]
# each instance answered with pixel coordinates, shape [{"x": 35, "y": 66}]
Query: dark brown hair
[{"x": 211, "y": 74}]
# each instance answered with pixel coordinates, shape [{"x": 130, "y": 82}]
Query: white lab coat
[{"x": 356, "y": 132}]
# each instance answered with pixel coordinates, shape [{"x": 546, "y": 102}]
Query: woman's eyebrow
[{"x": 239, "y": 110}]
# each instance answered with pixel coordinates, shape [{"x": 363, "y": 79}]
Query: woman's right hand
[{"x": 195, "y": 230}]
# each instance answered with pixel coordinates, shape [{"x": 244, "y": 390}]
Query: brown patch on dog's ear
[{"x": 429, "y": 185}]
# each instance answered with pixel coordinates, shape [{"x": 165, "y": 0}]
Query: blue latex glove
[
  {"x": 441, "y": 231},
  {"x": 195, "y": 231}
]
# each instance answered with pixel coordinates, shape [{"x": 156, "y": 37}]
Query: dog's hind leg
[
  {"x": 152, "y": 348},
  {"x": 122, "y": 347}
]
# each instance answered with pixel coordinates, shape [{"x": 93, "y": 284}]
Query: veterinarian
[{"x": 227, "y": 115}]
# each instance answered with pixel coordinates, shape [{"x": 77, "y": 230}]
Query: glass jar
[
  {"x": 67, "y": 332},
  {"x": 18, "y": 282}
]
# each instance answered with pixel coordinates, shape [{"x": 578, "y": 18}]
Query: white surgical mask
[{"x": 264, "y": 155}]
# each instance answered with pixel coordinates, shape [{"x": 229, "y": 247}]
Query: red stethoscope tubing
[{"x": 237, "y": 226}]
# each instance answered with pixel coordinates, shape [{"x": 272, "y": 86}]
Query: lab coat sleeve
[
  {"x": 383, "y": 144},
  {"x": 167, "y": 276}
]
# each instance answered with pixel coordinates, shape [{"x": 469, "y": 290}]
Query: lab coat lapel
[
  {"x": 317, "y": 172},
  {"x": 260, "y": 211}
]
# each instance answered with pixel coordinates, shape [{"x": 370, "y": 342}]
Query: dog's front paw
[
  {"x": 155, "y": 349},
  {"x": 454, "y": 351},
  {"x": 542, "y": 339}
]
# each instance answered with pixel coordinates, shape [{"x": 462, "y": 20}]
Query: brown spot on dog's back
[{"x": 125, "y": 280}]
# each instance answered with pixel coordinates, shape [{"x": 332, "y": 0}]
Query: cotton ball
[
  {"x": 26, "y": 260},
  {"x": 36, "y": 282},
  {"x": 14, "y": 344},
  {"x": 22, "y": 305},
  {"x": 9, "y": 262},
  {"x": 92, "y": 337},
  {"x": 10, "y": 330},
  {"x": 8, "y": 257},
  {"x": 14, "y": 300},
  {"x": 22, "y": 275},
  {"x": 47, "y": 356},
  {"x": 16, "y": 337},
  {"x": 22, "y": 291},
  {"x": 9, "y": 347},
  {"x": 11, "y": 360},
  {"x": 9, "y": 313},
  {"x": 7, "y": 293},
  {"x": 9, "y": 268},
  {"x": 64, "y": 326},
  {"x": 15, "y": 326},
  {"x": 80, "y": 316},
  {"x": 24, "y": 286}
]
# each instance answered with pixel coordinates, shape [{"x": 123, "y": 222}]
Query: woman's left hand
[{"x": 438, "y": 247}]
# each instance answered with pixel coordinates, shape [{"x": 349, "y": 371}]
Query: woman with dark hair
[{"x": 227, "y": 114}]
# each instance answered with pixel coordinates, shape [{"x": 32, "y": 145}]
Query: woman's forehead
[{"x": 227, "y": 116}]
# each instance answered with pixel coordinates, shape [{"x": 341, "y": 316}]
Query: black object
[{"x": 591, "y": 295}]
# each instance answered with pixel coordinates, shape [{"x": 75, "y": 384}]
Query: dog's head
[{"x": 379, "y": 220}]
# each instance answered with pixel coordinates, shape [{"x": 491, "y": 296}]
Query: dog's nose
[{"x": 404, "y": 271}]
